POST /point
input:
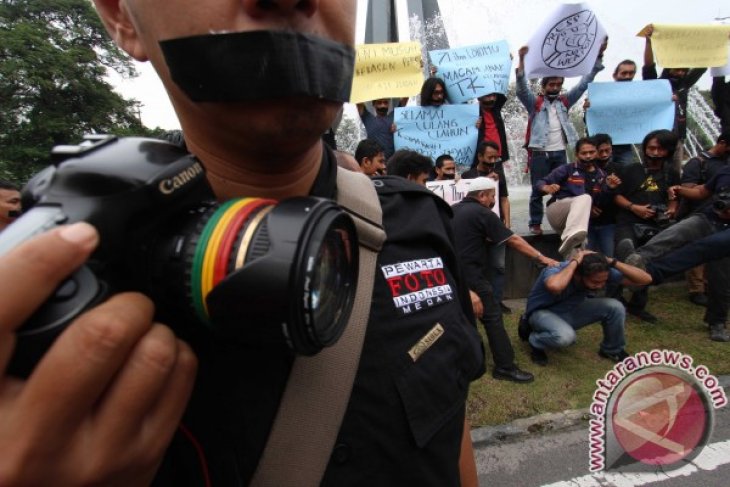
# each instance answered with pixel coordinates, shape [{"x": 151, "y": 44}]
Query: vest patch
[
  {"x": 426, "y": 342},
  {"x": 417, "y": 285}
]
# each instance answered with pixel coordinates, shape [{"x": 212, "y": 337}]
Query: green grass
[{"x": 568, "y": 381}]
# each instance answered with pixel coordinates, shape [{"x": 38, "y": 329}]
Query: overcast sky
[{"x": 477, "y": 21}]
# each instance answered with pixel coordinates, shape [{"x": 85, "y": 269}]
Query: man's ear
[{"x": 118, "y": 23}]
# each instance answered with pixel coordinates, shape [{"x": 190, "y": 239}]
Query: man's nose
[{"x": 262, "y": 8}]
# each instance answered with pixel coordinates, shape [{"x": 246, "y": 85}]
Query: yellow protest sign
[
  {"x": 391, "y": 70},
  {"x": 688, "y": 45}
]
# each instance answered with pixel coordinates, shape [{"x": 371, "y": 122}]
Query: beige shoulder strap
[{"x": 318, "y": 390}]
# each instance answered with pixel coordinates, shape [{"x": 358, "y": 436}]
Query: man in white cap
[{"x": 476, "y": 227}]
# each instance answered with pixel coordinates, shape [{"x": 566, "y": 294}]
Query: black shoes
[
  {"x": 615, "y": 357},
  {"x": 513, "y": 374},
  {"x": 506, "y": 310},
  {"x": 718, "y": 333},
  {"x": 700, "y": 299},
  {"x": 523, "y": 329},
  {"x": 643, "y": 315},
  {"x": 538, "y": 356}
]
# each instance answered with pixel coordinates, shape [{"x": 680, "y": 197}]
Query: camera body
[
  {"x": 721, "y": 200},
  {"x": 280, "y": 274},
  {"x": 660, "y": 215}
]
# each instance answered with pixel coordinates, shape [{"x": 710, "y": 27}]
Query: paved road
[{"x": 561, "y": 460}]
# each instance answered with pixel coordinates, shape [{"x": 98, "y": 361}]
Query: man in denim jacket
[{"x": 549, "y": 128}]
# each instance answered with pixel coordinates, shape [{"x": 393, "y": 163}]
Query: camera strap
[{"x": 318, "y": 390}]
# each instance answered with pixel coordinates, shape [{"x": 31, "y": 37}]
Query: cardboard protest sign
[
  {"x": 454, "y": 191},
  {"x": 432, "y": 131},
  {"x": 472, "y": 71},
  {"x": 689, "y": 46},
  {"x": 391, "y": 70},
  {"x": 567, "y": 44},
  {"x": 629, "y": 110}
]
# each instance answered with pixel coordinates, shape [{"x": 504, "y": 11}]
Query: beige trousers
[{"x": 569, "y": 216}]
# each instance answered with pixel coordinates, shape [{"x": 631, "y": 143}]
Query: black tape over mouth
[{"x": 260, "y": 65}]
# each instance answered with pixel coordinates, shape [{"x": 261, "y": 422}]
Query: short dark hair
[
  {"x": 724, "y": 137},
  {"x": 544, "y": 81},
  {"x": 666, "y": 139},
  {"x": 443, "y": 158},
  {"x": 406, "y": 163},
  {"x": 367, "y": 148},
  {"x": 600, "y": 139},
  {"x": 427, "y": 90},
  {"x": 592, "y": 264},
  {"x": 625, "y": 61},
  {"x": 5, "y": 184},
  {"x": 487, "y": 143},
  {"x": 584, "y": 141}
]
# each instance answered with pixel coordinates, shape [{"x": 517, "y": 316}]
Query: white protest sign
[{"x": 565, "y": 45}]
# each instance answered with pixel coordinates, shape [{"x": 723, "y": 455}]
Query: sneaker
[
  {"x": 571, "y": 242},
  {"x": 700, "y": 299},
  {"x": 506, "y": 310},
  {"x": 523, "y": 329},
  {"x": 513, "y": 374},
  {"x": 643, "y": 315},
  {"x": 536, "y": 230},
  {"x": 718, "y": 333},
  {"x": 538, "y": 356},
  {"x": 616, "y": 357},
  {"x": 635, "y": 259}
]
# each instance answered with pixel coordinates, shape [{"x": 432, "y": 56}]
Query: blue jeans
[
  {"x": 707, "y": 249},
  {"x": 553, "y": 330},
  {"x": 600, "y": 238},
  {"x": 541, "y": 164},
  {"x": 497, "y": 255}
]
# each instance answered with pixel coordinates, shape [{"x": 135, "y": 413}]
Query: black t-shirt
[
  {"x": 404, "y": 420},
  {"x": 474, "y": 173},
  {"x": 699, "y": 170},
  {"x": 642, "y": 187},
  {"x": 475, "y": 227}
]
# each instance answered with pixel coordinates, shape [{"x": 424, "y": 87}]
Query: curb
[{"x": 540, "y": 424}]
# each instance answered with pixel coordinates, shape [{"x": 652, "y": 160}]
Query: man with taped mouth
[{"x": 254, "y": 85}]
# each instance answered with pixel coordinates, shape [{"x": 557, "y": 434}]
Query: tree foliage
[{"x": 53, "y": 59}]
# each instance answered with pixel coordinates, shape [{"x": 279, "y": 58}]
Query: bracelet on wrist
[{"x": 537, "y": 256}]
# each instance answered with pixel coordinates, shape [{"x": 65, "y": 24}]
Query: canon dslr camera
[{"x": 260, "y": 272}]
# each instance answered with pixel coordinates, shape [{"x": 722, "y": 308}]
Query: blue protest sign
[
  {"x": 628, "y": 110},
  {"x": 432, "y": 131},
  {"x": 472, "y": 71}
]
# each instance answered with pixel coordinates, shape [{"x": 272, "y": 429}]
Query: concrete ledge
[{"x": 520, "y": 271}]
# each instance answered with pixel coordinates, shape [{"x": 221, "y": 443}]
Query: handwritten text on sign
[
  {"x": 473, "y": 71},
  {"x": 627, "y": 111},
  {"x": 432, "y": 131},
  {"x": 390, "y": 70}
]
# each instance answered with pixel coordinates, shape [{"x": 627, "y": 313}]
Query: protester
[
  {"x": 9, "y": 203},
  {"x": 624, "y": 71},
  {"x": 681, "y": 79},
  {"x": 405, "y": 413},
  {"x": 445, "y": 168},
  {"x": 491, "y": 124},
  {"x": 699, "y": 170},
  {"x": 370, "y": 157},
  {"x": 575, "y": 190},
  {"x": 433, "y": 92},
  {"x": 410, "y": 165},
  {"x": 644, "y": 203},
  {"x": 379, "y": 126},
  {"x": 477, "y": 227},
  {"x": 602, "y": 225},
  {"x": 563, "y": 300},
  {"x": 549, "y": 130}
]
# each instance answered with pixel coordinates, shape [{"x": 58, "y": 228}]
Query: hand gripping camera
[{"x": 257, "y": 271}]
